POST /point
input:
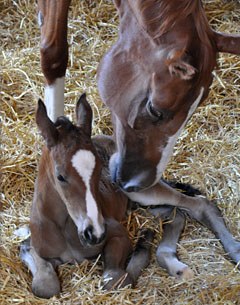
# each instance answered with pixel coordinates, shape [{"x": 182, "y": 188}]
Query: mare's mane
[{"x": 160, "y": 16}]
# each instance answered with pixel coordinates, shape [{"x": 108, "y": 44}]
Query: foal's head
[{"x": 75, "y": 168}]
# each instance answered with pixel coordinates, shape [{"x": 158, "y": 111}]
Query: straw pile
[{"x": 207, "y": 156}]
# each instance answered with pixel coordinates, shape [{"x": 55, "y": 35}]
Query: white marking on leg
[
  {"x": 84, "y": 162},
  {"x": 28, "y": 259},
  {"x": 167, "y": 260},
  {"x": 22, "y": 232},
  {"x": 168, "y": 149},
  {"x": 40, "y": 19},
  {"x": 54, "y": 98}
]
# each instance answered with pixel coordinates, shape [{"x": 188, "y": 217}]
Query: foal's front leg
[
  {"x": 203, "y": 210},
  {"x": 116, "y": 251},
  {"x": 45, "y": 283}
]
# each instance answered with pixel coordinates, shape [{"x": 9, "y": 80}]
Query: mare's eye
[
  {"x": 61, "y": 178},
  {"x": 154, "y": 113}
]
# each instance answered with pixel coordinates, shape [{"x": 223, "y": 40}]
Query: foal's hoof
[
  {"x": 114, "y": 279},
  {"x": 45, "y": 284},
  {"x": 169, "y": 261},
  {"x": 184, "y": 274},
  {"x": 234, "y": 252}
]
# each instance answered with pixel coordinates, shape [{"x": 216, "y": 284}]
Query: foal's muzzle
[{"x": 88, "y": 237}]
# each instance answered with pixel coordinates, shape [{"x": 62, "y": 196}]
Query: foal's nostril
[
  {"x": 90, "y": 238},
  {"x": 88, "y": 234}
]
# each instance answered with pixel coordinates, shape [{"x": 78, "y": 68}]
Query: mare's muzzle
[{"x": 132, "y": 174}]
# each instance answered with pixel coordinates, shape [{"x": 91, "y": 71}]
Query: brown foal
[{"x": 76, "y": 210}]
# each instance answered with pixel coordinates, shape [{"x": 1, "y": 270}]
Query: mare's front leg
[
  {"x": 203, "y": 210},
  {"x": 52, "y": 18},
  {"x": 45, "y": 282}
]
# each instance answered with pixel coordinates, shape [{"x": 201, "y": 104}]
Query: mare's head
[
  {"x": 153, "y": 79},
  {"x": 75, "y": 168}
]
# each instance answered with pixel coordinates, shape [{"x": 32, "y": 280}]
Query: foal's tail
[{"x": 141, "y": 255}]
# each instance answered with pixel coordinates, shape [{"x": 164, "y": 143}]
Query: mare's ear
[
  {"x": 45, "y": 125},
  {"x": 84, "y": 114},
  {"x": 227, "y": 43},
  {"x": 179, "y": 67}
]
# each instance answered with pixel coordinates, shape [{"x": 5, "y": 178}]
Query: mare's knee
[{"x": 53, "y": 60}]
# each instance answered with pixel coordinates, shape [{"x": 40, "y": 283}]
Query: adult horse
[{"x": 152, "y": 79}]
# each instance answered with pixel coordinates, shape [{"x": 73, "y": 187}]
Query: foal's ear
[
  {"x": 179, "y": 67},
  {"x": 227, "y": 43},
  {"x": 84, "y": 114},
  {"x": 45, "y": 125}
]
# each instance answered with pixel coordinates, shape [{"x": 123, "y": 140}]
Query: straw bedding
[{"x": 206, "y": 155}]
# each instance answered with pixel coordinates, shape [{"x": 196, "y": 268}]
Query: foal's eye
[
  {"x": 154, "y": 113},
  {"x": 61, "y": 178}
]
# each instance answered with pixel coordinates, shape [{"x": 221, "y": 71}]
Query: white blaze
[
  {"x": 167, "y": 151},
  {"x": 54, "y": 98},
  {"x": 84, "y": 163}
]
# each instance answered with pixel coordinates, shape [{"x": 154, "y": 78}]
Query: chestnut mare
[
  {"x": 76, "y": 210},
  {"x": 152, "y": 79}
]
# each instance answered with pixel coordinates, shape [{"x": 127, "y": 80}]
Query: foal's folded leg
[
  {"x": 167, "y": 249},
  {"x": 45, "y": 282},
  {"x": 116, "y": 252}
]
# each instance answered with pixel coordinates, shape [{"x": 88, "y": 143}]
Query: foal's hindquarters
[{"x": 76, "y": 211}]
